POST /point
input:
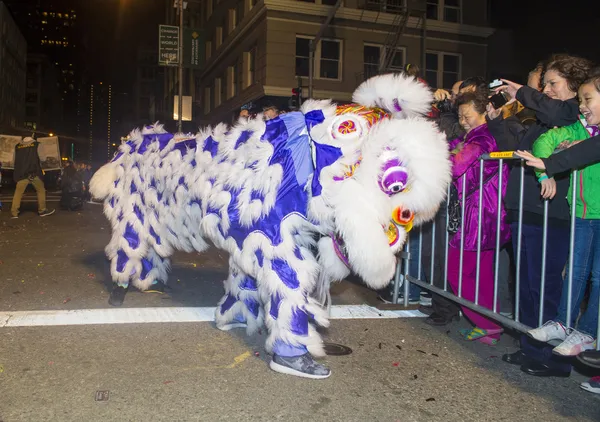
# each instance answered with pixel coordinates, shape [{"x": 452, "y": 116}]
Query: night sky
[{"x": 543, "y": 27}]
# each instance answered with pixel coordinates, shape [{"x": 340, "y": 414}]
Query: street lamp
[{"x": 51, "y": 134}]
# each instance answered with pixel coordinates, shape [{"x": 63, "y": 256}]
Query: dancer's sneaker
[
  {"x": 237, "y": 322},
  {"x": 231, "y": 325},
  {"x": 574, "y": 344},
  {"x": 551, "y": 330},
  {"x": 300, "y": 366},
  {"x": 46, "y": 213}
]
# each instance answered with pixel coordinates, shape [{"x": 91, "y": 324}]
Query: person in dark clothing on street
[
  {"x": 555, "y": 106},
  {"x": 72, "y": 187},
  {"x": 28, "y": 170}
]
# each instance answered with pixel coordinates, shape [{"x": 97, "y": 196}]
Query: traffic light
[{"x": 296, "y": 99}]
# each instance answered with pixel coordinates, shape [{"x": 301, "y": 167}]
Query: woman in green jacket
[{"x": 586, "y": 253}]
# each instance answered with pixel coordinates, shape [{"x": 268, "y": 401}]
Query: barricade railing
[{"x": 404, "y": 277}]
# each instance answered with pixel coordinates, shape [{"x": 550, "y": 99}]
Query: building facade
[
  {"x": 51, "y": 28},
  {"x": 13, "y": 57},
  {"x": 43, "y": 95},
  {"x": 258, "y": 50}
]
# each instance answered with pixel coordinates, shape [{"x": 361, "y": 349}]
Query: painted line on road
[{"x": 168, "y": 315}]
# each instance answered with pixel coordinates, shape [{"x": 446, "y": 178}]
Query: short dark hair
[
  {"x": 478, "y": 82},
  {"x": 477, "y": 98},
  {"x": 574, "y": 69}
]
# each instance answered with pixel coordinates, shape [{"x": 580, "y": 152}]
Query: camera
[
  {"x": 498, "y": 100},
  {"x": 496, "y": 83},
  {"x": 445, "y": 106}
]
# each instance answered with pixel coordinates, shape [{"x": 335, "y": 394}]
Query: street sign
[
  {"x": 168, "y": 45},
  {"x": 193, "y": 48}
]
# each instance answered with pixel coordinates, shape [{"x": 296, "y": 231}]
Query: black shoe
[
  {"x": 46, "y": 213},
  {"x": 388, "y": 298},
  {"x": 540, "y": 370},
  {"x": 516, "y": 358},
  {"x": 117, "y": 296},
  {"x": 590, "y": 358},
  {"x": 439, "y": 320},
  {"x": 427, "y": 310}
]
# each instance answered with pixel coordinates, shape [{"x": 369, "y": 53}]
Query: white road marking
[{"x": 168, "y": 315}]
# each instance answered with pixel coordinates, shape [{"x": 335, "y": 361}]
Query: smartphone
[
  {"x": 496, "y": 83},
  {"x": 498, "y": 100}
]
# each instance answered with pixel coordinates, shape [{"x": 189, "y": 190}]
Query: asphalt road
[{"x": 400, "y": 369}]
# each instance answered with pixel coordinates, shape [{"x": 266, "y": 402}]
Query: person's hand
[
  {"x": 548, "y": 188},
  {"x": 441, "y": 95},
  {"x": 492, "y": 112},
  {"x": 567, "y": 144},
  {"x": 510, "y": 89},
  {"x": 530, "y": 160}
]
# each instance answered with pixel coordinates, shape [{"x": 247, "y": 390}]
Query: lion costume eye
[
  {"x": 347, "y": 128},
  {"x": 394, "y": 178}
]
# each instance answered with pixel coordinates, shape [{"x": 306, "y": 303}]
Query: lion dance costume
[{"x": 298, "y": 202}]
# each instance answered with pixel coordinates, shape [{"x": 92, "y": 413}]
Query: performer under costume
[{"x": 347, "y": 180}]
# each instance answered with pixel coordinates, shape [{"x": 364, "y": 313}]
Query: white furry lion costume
[{"x": 350, "y": 180}]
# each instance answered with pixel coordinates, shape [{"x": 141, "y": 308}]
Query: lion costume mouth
[{"x": 392, "y": 233}]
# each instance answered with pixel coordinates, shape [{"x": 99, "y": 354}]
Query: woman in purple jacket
[{"x": 465, "y": 153}]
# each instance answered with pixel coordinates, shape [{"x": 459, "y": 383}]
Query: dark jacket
[
  {"x": 511, "y": 135},
  {"x": 72, "y": 182},
  {"x": 448, "y": 123},
  {"x": 576, "y": 157},
  {"x": 27, "y": 161}
]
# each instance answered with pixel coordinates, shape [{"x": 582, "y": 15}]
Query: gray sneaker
[{"x": 300, "y": 366}]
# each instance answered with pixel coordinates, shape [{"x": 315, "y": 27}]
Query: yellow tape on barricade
[{"x": 501, "y": 154}]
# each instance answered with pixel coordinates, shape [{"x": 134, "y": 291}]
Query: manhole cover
[{"x": 333, "y": 349}]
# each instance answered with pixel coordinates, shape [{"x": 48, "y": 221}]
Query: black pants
[{"x": 530, "y": 282}]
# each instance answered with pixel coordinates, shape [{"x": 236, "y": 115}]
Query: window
[
  {"x": 207, "y": 100},
  {"x": 224, "y": 25},
  {"x": 218, "y": 37},
  {"x": 328, "y": 58},
  {"x": 218, "y": 98},
  {"x": 442, "y": 70},
  {"x": 224, "y": 96},
  {"x": 208, "y": 49},
  {"x": 373, "y": 59},
  {"x": 302, "y": 53},
  {"x": 446, "y": 10},
  {"x": 252, "y": 78},
  {"x": 239, "y": 11},
  {"x": 236, "y": 87},
  {"x": 232, "y": 20}
]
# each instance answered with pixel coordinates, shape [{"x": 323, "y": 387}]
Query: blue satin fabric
[
  {"x": 326, "y": 155},
  {"x": 291, "y": 150}
]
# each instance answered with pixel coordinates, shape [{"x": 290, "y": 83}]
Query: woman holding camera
[{"x": 555, "y": 106}]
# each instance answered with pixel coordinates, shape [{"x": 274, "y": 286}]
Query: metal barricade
[{"x": 403, "y": 278}]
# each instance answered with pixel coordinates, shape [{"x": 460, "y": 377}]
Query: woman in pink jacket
[{"x": 465, "y": 153}]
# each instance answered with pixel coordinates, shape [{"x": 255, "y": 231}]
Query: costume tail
[{"x": 103, "y": 181}]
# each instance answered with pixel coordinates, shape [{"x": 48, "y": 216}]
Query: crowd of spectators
[{"x": 557, "y": 109}]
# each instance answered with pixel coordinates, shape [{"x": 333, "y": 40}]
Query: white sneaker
[
  {"x": 551, "y": 330},
  {"x": 575, "y": 343}
]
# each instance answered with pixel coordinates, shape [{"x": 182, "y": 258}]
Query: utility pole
[
  {"x": 312, "y": 46},
  {"x": 180, "y": 99}
]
